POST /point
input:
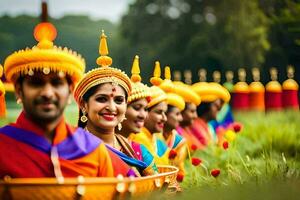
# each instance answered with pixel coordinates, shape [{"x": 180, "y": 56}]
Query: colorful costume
[
  {"x": 290, "y": 90},
  {"x": 209, "y": 92},
  {"x": 24, "y": 150},
  {"x": 157, "y": 147},
  {"x": 140, "y": 153},
  {"x": 174, "y": 140},
  {"x": 130, "y": 148},
  {"x": 273, "y": 94},
  {"x": 107, "y": 74},
  {"x": 154, "y": 144}
]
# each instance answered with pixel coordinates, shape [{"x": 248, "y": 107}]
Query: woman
[
  {"x": 136, "y": 113},
  {"x": 102, "y": 98},
  {"x": 211, "y": 93},
  {"x": 150, "y": 134},
  {"x": 174, "y": 141}
]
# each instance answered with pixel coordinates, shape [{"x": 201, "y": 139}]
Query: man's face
[{"x": 44, "y": 97}]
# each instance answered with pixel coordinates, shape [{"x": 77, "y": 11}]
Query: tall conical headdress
[
  {"x": 103, "y": 74},
  {"x": 139, "y": 90}
]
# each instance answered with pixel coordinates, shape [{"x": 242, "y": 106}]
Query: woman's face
[
  {"x": 174, "y": 118},
  {"x": 213, "y": 110},
  {"x": 156, "y": 118},
  {"x": 190, "y": 113},
  {"x": 135, "y": 116},
  {"x": 106, "y": 107}
]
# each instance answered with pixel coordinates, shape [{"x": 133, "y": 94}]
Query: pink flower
[
  {"x": 225, "y": 145},
  {"x": 215, "y": 172},
  {"x": 172, "y": 154},
  {"x": 196, "y": 161}
]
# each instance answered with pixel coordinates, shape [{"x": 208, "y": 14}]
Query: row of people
[
  {"x": 255, "y": 96},
  {"x": 124, "y": 126}
]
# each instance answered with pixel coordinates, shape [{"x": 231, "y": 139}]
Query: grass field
[{"x": 263, "y": 162}]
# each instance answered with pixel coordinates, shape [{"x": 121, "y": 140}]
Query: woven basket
[{"x": 85, "y": 188}]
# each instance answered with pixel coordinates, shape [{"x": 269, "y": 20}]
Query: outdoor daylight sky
[{"x": 97, "y": 9}]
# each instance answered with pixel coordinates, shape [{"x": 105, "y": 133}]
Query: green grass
[{"x": 262, "y": 163}]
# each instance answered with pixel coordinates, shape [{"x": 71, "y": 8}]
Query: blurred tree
[
  {"x": 76, "y": 32},
  {"x": 284, "y": 36},
  {"x": 189, "y": 34}
]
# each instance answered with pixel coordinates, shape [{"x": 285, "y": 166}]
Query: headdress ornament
[
  {"x": 44, "y": 57},
  {"x": 139, "y": 90},
  {"x": 102, "y": 74},
  {"x": 157, "y": 94}
]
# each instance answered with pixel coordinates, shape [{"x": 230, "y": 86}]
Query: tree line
[{"x": 185, "y": 34}]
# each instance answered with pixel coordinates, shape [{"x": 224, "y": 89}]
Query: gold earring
[
  {"x": 83, "y": 118},
  {"x": 119, "y": 126},
  {"x": 19, "y": 101}
]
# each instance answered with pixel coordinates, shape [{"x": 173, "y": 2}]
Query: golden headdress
[
  {"x": 102, "y": 74},
  {"x": 273, "y": 85},
  {"x": 186, "y": 92},
  {"x": 157, "y": 94},
  {"x": 173, "y": 98},
  {"x": 241, "y": 86},
  {"x": 179, "y": 88},
  {"x": 290, "y": 83},
  {"x": 44, "y": 57},
  {"x": 139, "y": 90},
  {"x": 210, "y": 92}
]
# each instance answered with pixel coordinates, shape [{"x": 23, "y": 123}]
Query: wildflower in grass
[
  {"x": 196, "y": 161},
  {"x": 193, "y": 147},
  {"x": 215, "y": 172},
  {"x": 172, "y": 154},
  {"x": 225, "y": 145},
  {"x": 237, "y": 127},
  {"x": 180, "y": 177},
  {"x": 230, "y": 135}
]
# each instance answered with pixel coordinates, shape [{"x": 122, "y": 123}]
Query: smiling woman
[{"x": 102, "y": 97}]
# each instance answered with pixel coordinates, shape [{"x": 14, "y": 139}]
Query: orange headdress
[{"x": 44, "y": 57}]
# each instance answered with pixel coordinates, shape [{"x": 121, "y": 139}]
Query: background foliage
[{"x": 185, "y": 34}]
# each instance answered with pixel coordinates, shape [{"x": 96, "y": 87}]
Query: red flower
[
  {"x": 237, "y": 127},
  {"x": 225, "y": 145},
  {"x": 215, "y": 172},
  {"x": 180, "y": 177},
  {"x": 172, "y": 154},
  {"x": 194, "y": 147},
  {"x": 196, "y": 161}
]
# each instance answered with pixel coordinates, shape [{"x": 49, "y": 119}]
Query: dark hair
[
  {"x": 170, "y": 109},
  {"x": 203, "y": 108},
  {"x": 86, "y": 97}
]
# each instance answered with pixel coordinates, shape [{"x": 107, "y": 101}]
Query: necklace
[{"x": 116, "y": 143}]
